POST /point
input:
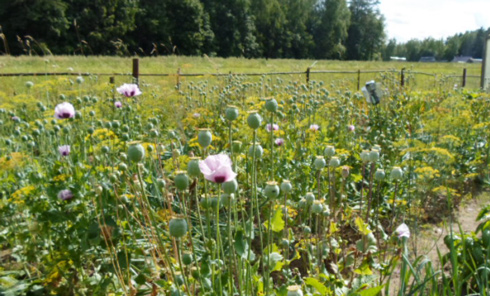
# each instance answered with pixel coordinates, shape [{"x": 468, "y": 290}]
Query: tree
[
  {"x": 366, "y": 30},
  {"x": 331, "y": 31},
  {"x": 36, "y": 24}
]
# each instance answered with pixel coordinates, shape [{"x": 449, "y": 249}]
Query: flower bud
[
  {"x": 231, "y": 113},
  {"x": 177, "y": 227},
  {"x": 136, "y": 152},
  {"x": 379, "y": 175},
  {"x": 271, "y": 190},
  {"x": 286, "y": 186},
  {"x": 204, "y": 138},
  {"x": 236, "y": 146},
  {"x": 396, "y": 173},
  {"x": 181, "y": 180},
  {"x": 334, "y": 162},
  {"x": 193, "y": 167},
  {"x": 329, "y": 151},
  {"x": 271, "y": 105},
  {"x": 319, "y": 162},
  {"x": 254, "y": 119}
]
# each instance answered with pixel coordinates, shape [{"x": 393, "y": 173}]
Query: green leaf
[
  {"x": 318, "y": 286},
  {"x": 371, "y": 291},
  {"x": 277, "y": 222},
  {"x": 363, "y": 227},
  {"x": 241, "y": 245},
  {"x": 364, "y": 269}
]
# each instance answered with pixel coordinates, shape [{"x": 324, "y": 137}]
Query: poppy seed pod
[
  {"x": 204, "y": 138},
  {"x": 317, "y": 207},
  {"x": 187, "y": 258},
  {"x": 286, "y": 186},
  {"x": 254, "y": 119},
  {"x": 373, "y": 155},
  {"x": 294, "y": 291},
  {"x": 396, "y": 173},
  {"x": 193, "y": 167},
  {"x": 310, "y": 197},
  {"x": 231, "y": 113},
  {"x": 230, "y": 186},
  {"x": 177, "y": 227},
  {"x": 329, "y": 151},
  {"x": 365, "y": 155},
  {"x": 236, "y": 146},
  {"x": 271, "y": 190},
  {"x": 379, "y": 175},
  {"x": 334, "y": 162},
  {"x": 181, "y": 180},
  {"x": 259, "y": 151},
  {"x": 345, "y": 171},
  {"x": 161, "y": 183},
  {"x": 136, "y": 152},
  {"x": 319, "y": 162},
  {"x": 271, "y": 105}
]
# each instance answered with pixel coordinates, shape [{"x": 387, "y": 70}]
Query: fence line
[{"x": 136, "y": 74}]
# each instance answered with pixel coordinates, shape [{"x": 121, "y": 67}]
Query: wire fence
[{"x": 350, "y": 79}]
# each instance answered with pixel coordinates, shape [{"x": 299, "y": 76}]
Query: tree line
[{"x": 313, "y": 29}]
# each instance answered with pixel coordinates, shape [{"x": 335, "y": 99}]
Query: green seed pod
[
  {"x": 236, "y": 146},
  {"x": 161, "y": 183},
  {"x": 181, "y": 180},
  {"x": 91, "y": 113},
  {"x": 78, "y": 115},
  {"x": 396, "y": 173},
  {"x": 123, "y": 167},
  {"x": 179, "y": 279},
  {"x": 230, "y": 186},
  {"x": 193, "y": 167},
  {"x": 116, "y": 124},
  {"x": 334, "y": 162},
  {"x": 373, "y": 155},
  {"x": 177, "y": 227},
  {"x": 319, "y": 162},
  {"x": 231, "y": 113},
  {"x": 108, "y": 125},
  {"x": 153, "y": 133},
  {"x": 125, "y": 137},
  {"x": 271, "y": 190},
  {"x": 365, "y": 155},
  {"x": 254, "y": 119},
  {"x": 294, "y": 291},
  {"x": 125, "y": 128},
  {"x": 309, "y": 197},
  {"x": 302, "y": 203},
  {"x": 286, "y": 186},
  {"x": 105, "y": 149},
  {"x": 259, "y": 151},
  {"x": 317, "y": 207},
  {"x": 123, "y": 156},
  {"x": 379, "y": 175},
  {"x": 204, "y": 138},
  {"x": 187, "y": 258},
  {"x": 306, "y": 230},
  {"x": 329, "y": 151},
  {"x": 90, "y": 131},
  {"x": 136, "y": 152},
  {"x": 271, "y": 105}
]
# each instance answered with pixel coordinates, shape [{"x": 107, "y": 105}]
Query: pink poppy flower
[
  {"x": 217, "y": 168},
  {"x": 403, "y": 231},
  {"x": 273, "y": 127},
  {"x": 65, "y": 194},
  {"x": 117, "y": 104},
  {"x": 64, "y": 110},
  {"x": 279, "y": 141},
  {"x": 314, "y": 127},
  {"x": 129, "y": 90},
  {"x": 64, "y": 150}
]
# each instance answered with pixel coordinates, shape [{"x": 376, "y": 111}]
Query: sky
[{"x": 420, "y": 19}]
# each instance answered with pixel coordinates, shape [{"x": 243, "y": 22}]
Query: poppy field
[{"x": 268, "y": 186}]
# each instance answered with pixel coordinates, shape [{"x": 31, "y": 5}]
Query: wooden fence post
[
  {"x": 358, "y": 79},
  {"x": 136, "y": 70},
  {"x": 308, "y": 75},
  {"x": 402, "y": 77},
  {"x": 112, "y": 82},
  {"x": 463, "y": 84}
]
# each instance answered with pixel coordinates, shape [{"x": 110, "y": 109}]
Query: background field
[{"x": 448, "y": 74}]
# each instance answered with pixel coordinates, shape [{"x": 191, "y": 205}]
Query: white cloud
[{"x": 420, "y": 19}]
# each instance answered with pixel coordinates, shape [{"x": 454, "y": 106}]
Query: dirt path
[{"x": 431, "y": 238}]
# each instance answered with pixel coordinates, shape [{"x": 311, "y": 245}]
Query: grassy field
[{"x": 205, "y": 65}]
